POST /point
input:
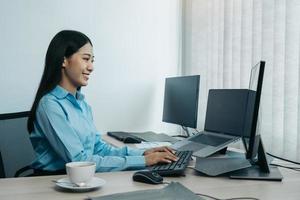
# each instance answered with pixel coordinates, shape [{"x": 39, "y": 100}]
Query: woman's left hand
[{"x": 159, "y": 149}]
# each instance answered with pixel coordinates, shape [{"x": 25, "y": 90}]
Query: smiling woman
[
  {"x": 61, "y": 124},
  {"x": 63, "y": 66}
]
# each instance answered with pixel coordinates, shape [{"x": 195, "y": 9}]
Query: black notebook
[{"x": 174, "y": 191}]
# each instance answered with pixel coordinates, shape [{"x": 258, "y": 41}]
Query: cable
[
  {"x": 183, "y": 136},
  {"x": 287, "y": 167},
  {"x": 197, "y": 131},
  {"x": 234, "y": 198},
  {"x": 284, "y": 159},
  {"x": 279, "y": 165},
  {"x": 214, "y": 198},
  {"x": 190, "y": 167},
  {"x": 205, "y": 195},
  {"x": 242, "y": 198},
  {"x": 186, "y": 130}
]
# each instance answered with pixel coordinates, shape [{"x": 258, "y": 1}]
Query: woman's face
[{"x": 78, "y": 67}]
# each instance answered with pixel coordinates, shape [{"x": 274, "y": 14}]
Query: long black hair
[{"x": 63, "y": 45}]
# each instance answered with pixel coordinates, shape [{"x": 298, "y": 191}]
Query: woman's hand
[
  {"x": 159, "y": 149},
  {"x": 159, "y": 155}
]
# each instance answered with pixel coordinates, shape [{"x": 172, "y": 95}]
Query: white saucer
[{"x": 91, "y": 185}]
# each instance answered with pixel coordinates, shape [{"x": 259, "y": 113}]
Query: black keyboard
[
  {"x": 119, "y": 135},
  {"x": 175, "y": 168}
]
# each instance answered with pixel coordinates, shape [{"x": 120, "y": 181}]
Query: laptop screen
[{"x": 226, "y": 111}]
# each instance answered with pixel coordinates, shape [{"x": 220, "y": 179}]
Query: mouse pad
[{"x": 174, "y": 191}]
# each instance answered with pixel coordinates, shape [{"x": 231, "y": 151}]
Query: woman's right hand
[{"x": 159, "y": 157}]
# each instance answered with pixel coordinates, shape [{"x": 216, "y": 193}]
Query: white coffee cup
[{"x": 80, "y": 173}]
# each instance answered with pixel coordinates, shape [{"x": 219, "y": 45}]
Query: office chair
[
  {"x": 16, "y": 151},
  {"x": 2, "y": 175}
]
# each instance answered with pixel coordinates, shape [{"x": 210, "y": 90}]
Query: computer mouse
[
  {"x": 132, "y": 140},
  {"x": 146, "y": 176}
]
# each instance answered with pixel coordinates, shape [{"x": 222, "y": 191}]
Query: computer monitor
[
  {"x": 260, "y": 169},
  {"x": 181, "y": 100},
  {"x": 253, "y": 112}
]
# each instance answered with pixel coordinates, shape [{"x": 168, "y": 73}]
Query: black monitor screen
[
  {"x": 225, "y": 111},
  {"x": 255, "y": 87},
  {"x": 181, "y": 100}
]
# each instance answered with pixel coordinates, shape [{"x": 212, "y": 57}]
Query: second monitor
[{"x": 181, "y": 100}]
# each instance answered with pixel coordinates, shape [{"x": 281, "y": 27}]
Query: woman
[{"x": 60, "y": 123}]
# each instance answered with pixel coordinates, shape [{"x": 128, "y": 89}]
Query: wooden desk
[{"x": 43, "y": 188}]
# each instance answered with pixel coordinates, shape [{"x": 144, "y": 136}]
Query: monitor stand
[
  {"x": 220, "y": 163},
  {"x": 260, "y": 169}
]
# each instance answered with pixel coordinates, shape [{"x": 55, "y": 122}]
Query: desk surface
[{"x": 221, "y": 187}]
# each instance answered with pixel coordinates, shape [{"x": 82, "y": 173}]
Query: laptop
[{"x": 224, "y": 123}]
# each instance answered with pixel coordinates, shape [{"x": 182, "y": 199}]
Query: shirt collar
[
  {"x": 79, "y": 95},
  {"x": 60, "y": 93}
]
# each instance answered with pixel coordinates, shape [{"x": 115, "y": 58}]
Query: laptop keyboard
[
  {"x": 175, "y": 168},
  {"x": 210, "y": 139}
]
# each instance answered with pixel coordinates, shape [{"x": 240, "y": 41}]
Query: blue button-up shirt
[{"x": 64, "y": 131}]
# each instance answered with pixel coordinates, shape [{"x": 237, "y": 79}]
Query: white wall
[{"x": 136, "y": 45}]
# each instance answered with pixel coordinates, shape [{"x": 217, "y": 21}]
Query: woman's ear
[{"x": 65, "y": 62}]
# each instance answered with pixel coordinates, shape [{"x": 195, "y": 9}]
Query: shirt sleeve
[
  {"x": 102, "y": 148},
  {"x": 66, "y": 143}
]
